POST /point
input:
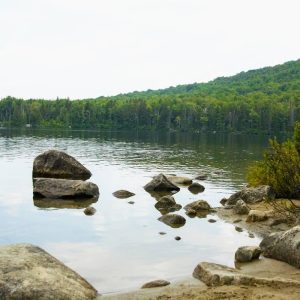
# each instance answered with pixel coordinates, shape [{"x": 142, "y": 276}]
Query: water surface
[{"x": 120, "y": 248}]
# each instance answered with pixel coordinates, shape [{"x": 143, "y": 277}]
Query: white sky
[{"x": 89, "y": 48}]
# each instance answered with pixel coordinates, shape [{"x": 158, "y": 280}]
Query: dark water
[{"x": 120, "y": 246}]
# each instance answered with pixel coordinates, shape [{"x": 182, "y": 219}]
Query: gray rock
[
  {"x": 173, "y": 220},
  {"x": 247, "y": 253},
  {"x": 196, "y": 188},
  {"x": 252, "y": 195},
  {"x": 201, "y": 177},
  {"x": 165, "y": 201},
  {"x": 238, "y": 229},
  {"x": 198, "y": 206},
  {"x": 155, "y": 283},
  {"x": 283, "y": 246},
  {"x": 180, "y": 180},
  {"x": 256, "y": 216},
  {"x": 64, "y": 189},
  {"x": 131, "y": 202},
  {"x": 160, "y": 183},
  {"x": 211, "y": 220},
  {"x": 58, "y": 164},
  {"x": 241, "y": 208},
  {"x": 28, "y": 272},
  {"x": 90, "y": 211},
  {"x": 123, "y": 194},
  {"x": 223, "y": 201}
]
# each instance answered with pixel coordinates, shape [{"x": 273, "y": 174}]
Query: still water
[{"x": 120, "y": 248}]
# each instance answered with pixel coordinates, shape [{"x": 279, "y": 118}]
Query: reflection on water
[{"x": 120, "y": 246}]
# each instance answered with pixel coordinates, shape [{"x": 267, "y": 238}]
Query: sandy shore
[{"x": 191, "y": 288}]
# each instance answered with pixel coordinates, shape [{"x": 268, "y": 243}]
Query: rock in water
[
  {"x": 58, "y": 164},
  {"x": 155, "y": 283},
  {"x": 196, "y": 188},
  {"x": 198, "y": 206},
  {"x": 252, "y": 195},
  {"x": 28, "y": 272},
  {"x": 173, "y": 220},
  {"x": 160, "y": 183},
  {"x": 122, "y": 194},
  {"x": 90, "y": 211},
  {"x": 247, "y": 253},
  {"x": 283, "y": 246},
  {"x": 180, "y": 180},
  {"x": 64, "y": 189}
]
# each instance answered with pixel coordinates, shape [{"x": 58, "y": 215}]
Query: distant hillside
[{"x": 262, "y": 100}]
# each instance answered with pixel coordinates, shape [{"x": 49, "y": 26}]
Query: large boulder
[
  {"x": 283, "y": 246},
  {"x": 58, "y": 164},
  {"x": 160, "y": 183},
  {"x": 64, "y": 189},
  {"x": 252, "y": 195},
  {"x": 247, "y": 253},
  {"x": 173, "y": 220},
  {"x": 28, "y": 272}
]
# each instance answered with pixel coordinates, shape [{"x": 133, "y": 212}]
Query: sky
[{"x": 90, "y": 48}]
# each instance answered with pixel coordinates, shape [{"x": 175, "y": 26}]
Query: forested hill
[{"x": 262, "y": 100}]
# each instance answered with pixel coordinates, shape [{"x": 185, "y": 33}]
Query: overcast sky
[{"x": 89, "y": 48}]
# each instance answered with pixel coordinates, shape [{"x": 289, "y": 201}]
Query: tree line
[{"x": 262, "y": 100}]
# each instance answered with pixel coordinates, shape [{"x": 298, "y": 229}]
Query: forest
[{"x": 262, "y": 100}]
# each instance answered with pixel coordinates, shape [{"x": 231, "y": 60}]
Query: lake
[{"x": 120, "y": 248}]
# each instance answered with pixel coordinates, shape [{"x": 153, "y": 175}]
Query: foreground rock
[
  {"x": 196, "y": 188},
  {"x": 155, "y": 283},
  {"x": 160, "y": 183},
  {"x": 252, "y": 195},
  {"x": 257, "y": 216},
  {"x": 173, "y": 220},
  {"x": 247, "y": 253},
  {"x": 123, "y": 194},
  {"x": 180, "y": 180},
  {"x": 28, "y": 272},
  {"x": 58, "y": 164},
  {"x": 64, "y": 189},
  {"x": 283, "y": 246},
  {"x": 217, "y": 275}
]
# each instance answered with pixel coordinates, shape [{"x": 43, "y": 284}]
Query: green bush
[{"x": 280, "y": 168}]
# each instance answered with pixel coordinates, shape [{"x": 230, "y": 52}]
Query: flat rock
[
  {"x": 28, "y": 272},
  {"x": 201, "y": 177},
  {"x": 160, "y": 183},
  {"x": 64, "y": 189},
  {"x": 180, "y": 180},
  {"x": 247, "y": 253},
  {"x": 252, "y": 195},
  {"x": 123, "y": 194},
  {"x": 283, "y": 246},
  {"x": 256, "y": 216},
  {"x": 173, "y": 220},
  {"x": 155, "y": 283},
  {"x": 196, "y": 188},
  {"x": 216, "y": 275},
  {"x": 58, "y": 164}
]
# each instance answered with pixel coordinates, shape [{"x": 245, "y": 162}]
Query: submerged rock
[
  {"x": 241, "y": 208},
  {"x": 155, "y": 283},
  {"x": 252, "y": 195},
  {"x": 247, "y": 253},
  {"x": 201, "y": 177},
  {"x": 58, "y": 164},
  {"x": 173, "y": 220},
  {"x": 160, "y": 183},
  {"x": 283, "y": 246},
  {"x": 90, "y": 211},
  {"x": 28, "y": 272},
  {"x": 64, "y": 189},
  {"x": 180, "y": 180},
  {"x": 196, "y": 188},
  {"x": 66, "y": 203},
  {"x": 123, "y": 194}
]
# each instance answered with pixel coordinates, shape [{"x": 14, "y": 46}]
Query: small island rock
[
  {"x": 196, "y": 188},
  {"x": 160, "y": 183},
  {"x": 173, "y": 220},
  {"x": 123, "y": 194},
  {"x": 90, "y": 211}
]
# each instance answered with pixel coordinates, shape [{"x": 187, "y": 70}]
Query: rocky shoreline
[{"x": 28, "y": 272}]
